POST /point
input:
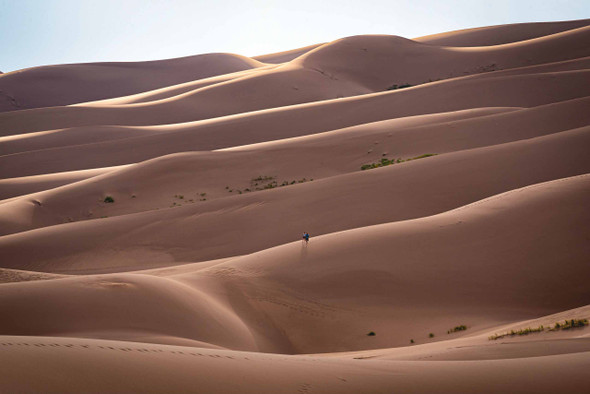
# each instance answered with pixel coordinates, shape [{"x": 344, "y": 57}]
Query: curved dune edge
[
  {"x": 347, "y": 67},
  {"x": 204, "y": 230},
  {"x": 440, "y": 133},
  {"x": 35, "y": 87},
  {"x": 99, "y": 365},
  {"x": 301, "y": 120},
  {"x": 500, "y": 34},
  {"x": 345, "y": 279},
  {"x": 15, "y": 187}
]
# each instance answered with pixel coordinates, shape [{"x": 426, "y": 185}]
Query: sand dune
[
  {"x": 304, "y": 119},
  {"x": 192, "y": 276},
  {"x": 78, "y": 136},
  {"x": 255, "y": 297},
  {"x": 347, "y": 67},
  {"x": 286, "y": 56},
  {"x": 120, "y": 367},
  {"x": 35, "y": 87},
  {"x": 175, "y": 90},
  {"x": 501, "y": 34},
  {"x": 212, "y": 172},
  {"x": 224, "y": 227},
  {"x": 14, "y": 187}
]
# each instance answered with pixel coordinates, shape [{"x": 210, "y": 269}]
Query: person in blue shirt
[{"x": 306, "y": 237}]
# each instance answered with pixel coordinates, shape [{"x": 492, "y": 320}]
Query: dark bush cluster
[
  {"x": 396, "y": 86},
  {"x": 462, "y": 327},
  {"x": 387, "y": 162},
  {"x": 568, "y": 324}
]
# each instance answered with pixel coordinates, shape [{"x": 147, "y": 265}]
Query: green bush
[
  {"x": 462, "y": 327},
  {"x": 387, "y": 162},
  {"x": 522, "y": 331},
  {"x": 262, "y": 178},
  {"x": 573, "y": 323},
  {"x": 396, "y": 86},
  {"x": 109, "y": 200}
]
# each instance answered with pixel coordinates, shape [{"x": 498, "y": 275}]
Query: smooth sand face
[
  {"x": 195, "y": 278},
  {"x": 74, "y": 83}
]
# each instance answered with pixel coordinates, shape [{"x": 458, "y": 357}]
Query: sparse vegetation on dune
[
  {"x": 265, "y": 182},
  {"x": 262, "y": 178},
  {"x": 572, "y": 323},
  {"x": 568, "y": 324},
  {"x": 396, "y": 86},
  {"x": 462, "y": 327},
  {"x": 387, "y": 162}
]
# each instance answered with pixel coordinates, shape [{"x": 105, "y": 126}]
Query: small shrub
[
  {"x": 411, "y": 341},
  {"x": 422, "y": 156},
  {"x": 109, "y": 200},
  {"x": 262, "y": 178},
  {"x": 431, "y": 335},
  {"x": 371, "y": 334},
  {"x": 522, "y": 331},
  {"x": 386, "y": 162},
  {"x": 573, "y": 323},
  {"x": 462, "y": 327},
  {"x": 396, "y": 86}
]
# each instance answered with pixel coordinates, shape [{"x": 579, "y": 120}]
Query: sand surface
[{"x": 195, "y": 278}]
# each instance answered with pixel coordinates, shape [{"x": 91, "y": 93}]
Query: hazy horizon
[{"x": 36, "y": 33}]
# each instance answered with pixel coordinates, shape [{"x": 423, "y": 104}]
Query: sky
[{"x": 42, "y": 32}]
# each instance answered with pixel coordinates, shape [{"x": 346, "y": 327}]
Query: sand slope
[
  {"x": 501, "y": 34},
  {"x": 204, "y": 230},
  {"x": 330, "y": 284},
  {"x": 286, "y": 56},
  {"x": 119, "y": 367},
  {"x": 49, "y": 86},
  {"x": 300, "y": 120},
  {"x": 214, "y": 171},
  {"x": 347, "y": 67}
]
